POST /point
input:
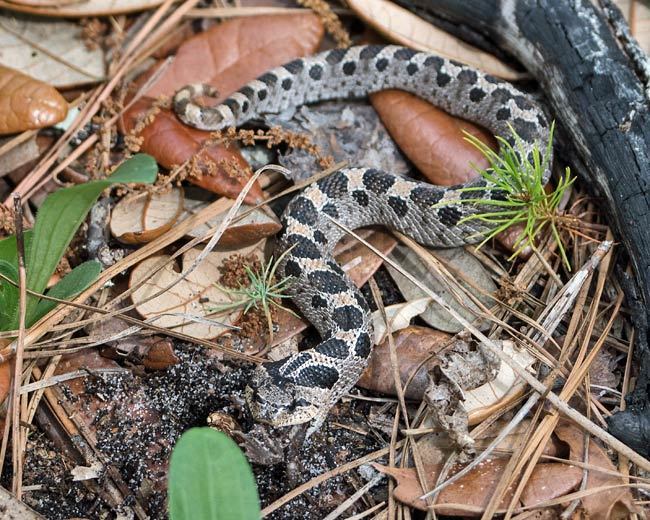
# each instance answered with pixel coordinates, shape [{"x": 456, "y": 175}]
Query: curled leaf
[{"x": 27, "y": 104}]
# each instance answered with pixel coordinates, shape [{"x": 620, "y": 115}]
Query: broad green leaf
[
  {"x": 72, "y": 284},
  {"x": 8, "y": 250},
  {"x": 63, "y": 212},
  {"x": 210, "y": 479},
  {"x": 9, "y": 309}
]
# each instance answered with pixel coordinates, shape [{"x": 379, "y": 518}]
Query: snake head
[{"x": 277, "y": 401}]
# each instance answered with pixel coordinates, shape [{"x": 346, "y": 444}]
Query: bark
[{"x": 595, "y": 81}]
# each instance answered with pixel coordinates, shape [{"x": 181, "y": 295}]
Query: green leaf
[
  {"x": 8, "y": 251},
  {"x": 61, "y": 215},
  {"x": 72, "y": 284},
  {"x": 210, "y": 479},
  {"x": 9, "y": 309}
]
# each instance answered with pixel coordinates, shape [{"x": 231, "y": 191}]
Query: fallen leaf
[
  {"x": 472, "y": 492},
  {"x": 605, "y": 505},
  {"x": 195, "y": 296},
  {"x": 456, "y": 261},
  {"x": 259, "y": 223},
  {"x": 434, "y": 141},
  {"x": 78, "y": 8},
  {"x": 6, "y": 373},
  {"x": 49, "y": 51},
  {"x": 26, "y": 103},
  {"x": 399, "y": 316},
  {"x": 22, "y": 155},
  {"x": 226, "y": 57},
  {"x": 140, "y": 219},
  {"x": 403, "y": 27},
  {"x": 357, "y": 260},
  {"x": 413, "y": 345},
  {"x": 160, "y": 355}
]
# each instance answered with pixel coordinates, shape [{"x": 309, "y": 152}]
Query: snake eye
[{"x": 300, "y": 403}]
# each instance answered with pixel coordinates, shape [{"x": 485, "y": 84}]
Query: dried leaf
[
  {"x": 357, "y": 260},
  {"x": 76, "y": 8},
  {"x": 26, "y": 103},
  {"x": 6, "y": 373},
  {"x": 227, "y": 58},
  {"x": 434, "y": 142},
  {"x": 258, "y": 224},
  {"x": 399, "y": 316},
  {"x": 472, "y": 492},
  {"x": 457, "y": 261},
  {"x": 403, "y": 27},
  {"x": 414, "y": 346},
  {"x": 195, "y": 296},
  {"x": 160, "y": 355},
  {"x": 140, "y": 219},
  {"x": 614, "y": 503},
  {"x": 49, "y": 50}
]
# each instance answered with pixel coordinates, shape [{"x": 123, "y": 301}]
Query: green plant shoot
[
  {"x": 56, "y": 223},
  {"x": 210, "y": 479},
  {"x": 526, "y": 201},
  {"x": 261, "y": 292}
]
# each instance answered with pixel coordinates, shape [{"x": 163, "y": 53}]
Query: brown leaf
[
  {"x": 258, "y": 224},
  {"x": 402, "y": 26},
  {"x": 26, "y": 103},
  {"x": 161, "y": 355},
  {"x": 431, "y": 138},
  {"x": 226, "y": 57},
  {"x": 414, "y": 345},
  {"x": 196, "y": 295},
  {"x": 140, "y": 219},
  {"x": 615, "y": 503},
  {"x": 80, "y": 9},
  {"x": 473, "y": 491},
  {"x": 6, "y": 372}
]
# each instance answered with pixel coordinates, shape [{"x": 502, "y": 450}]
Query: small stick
[{"x": 17, "y": 477}]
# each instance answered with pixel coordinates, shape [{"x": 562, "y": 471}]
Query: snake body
[{"x": 304, "y": 386}]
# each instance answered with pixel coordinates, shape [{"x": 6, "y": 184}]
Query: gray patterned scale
[{"x": 304, "y": 386}]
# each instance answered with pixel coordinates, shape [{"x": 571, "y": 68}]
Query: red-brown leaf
[{"x": 227, "y": 57}]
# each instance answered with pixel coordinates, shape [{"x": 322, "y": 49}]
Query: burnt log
[{"x": 595, "y": 79}]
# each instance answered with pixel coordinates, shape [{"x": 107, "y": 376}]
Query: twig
[{"x": 17, "y": 477}]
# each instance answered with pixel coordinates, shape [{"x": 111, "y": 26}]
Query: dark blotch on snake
[
  {"x": 347, "y": 317},
  {"x": 526, "y": 130},
  {"x": 320, "y": 237},
  {"x": 291, "y": 268},
  {"x": 304, "y": 248},
  {"x": 335, "y": 348},
  {"x": 261, "y": 94},
  {"x": 467, "y": 76},
  {"x": 477, "y": 94},
  {"x": 318, "y": 302},
  {"x": 316, "y": 72},
  {"x": 411, "y": 69},
  {"x": 319, "y": 376},
  {"x": 327, "y": 282},
  {"x": 405, "y": 54},
  {"x": 331, "y": 210},
  {"x": 503, "y": 114},
  {"x": 449, "y": 215},
  {"x": 244, "y": 106},
  {"x": 377, "y": 181},
  {"x": 295, "y": 66},
  {"x": 443, "y": 79},
  {"x": 435, "y": 62},
  {"x": 349, "y": 67},
  {"x": 334, "y": 186},
  {"x": 248, "y": 92},
  {"x": 361, "y": 197},
  {"x": 295, "y": 363},
  {"x": 335, "y": 56},
  {"x": 303, "y": 210},
  {"x": 269, "y": 79},
  {"x": 398, "y": 205},
  {"x": 363, "y": 345},
  {"x": 232, "y": 104},
  {"x": 370, "y": 51},
  {"x": 381, "y": 64},
  {"x": 425, "y": 196},
  {"x": 286, "y": 83}
]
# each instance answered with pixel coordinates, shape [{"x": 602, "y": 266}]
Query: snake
[{"x": 304, "y": 386}]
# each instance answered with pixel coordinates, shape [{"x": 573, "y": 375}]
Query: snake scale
[{"x": 305, "y": 385}]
